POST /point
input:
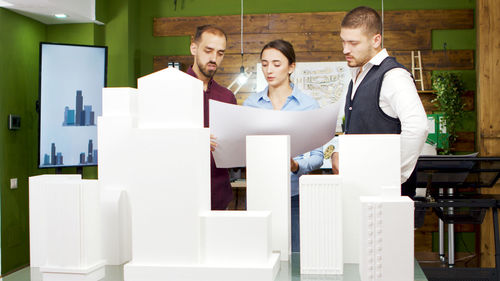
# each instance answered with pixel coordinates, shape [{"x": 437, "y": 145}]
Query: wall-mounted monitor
[{"x": 71, "y": 82}]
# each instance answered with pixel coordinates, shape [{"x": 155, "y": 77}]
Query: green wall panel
[
  {"x": 464, "y": 39},
  {"x": 20, "y": 39},
  {"x": 229, "y": 7},
  {"x": 82, "y": 34},
  {"x": 117, "y": 31}
]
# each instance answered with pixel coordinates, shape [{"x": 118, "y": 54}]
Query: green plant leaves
[{"x": 449, "y": 89}]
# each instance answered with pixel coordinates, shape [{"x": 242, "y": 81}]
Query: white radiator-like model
[{"x": 321, "y": 224}]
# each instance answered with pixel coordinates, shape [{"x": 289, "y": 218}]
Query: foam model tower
[
  {"x": 153, "y": 147},
  {"x": 268, "y": 185},
  {"x": 119, "y": 106},
  {"x": 366, "y": 163},
  {"x": 321, "y": 224},
  {"x": 66, "y": 234},
  {"x": 387, "y": 238},
  {"x": 38, "y": 220}
]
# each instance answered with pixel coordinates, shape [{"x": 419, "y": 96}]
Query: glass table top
[{"x": 288, "y": 272}]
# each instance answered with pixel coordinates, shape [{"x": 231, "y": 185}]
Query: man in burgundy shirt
[{"x": 208, "y": 46}]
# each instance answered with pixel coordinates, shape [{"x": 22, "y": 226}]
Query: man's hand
[
  {"x": 213, "y": 144},
  {"x": 335, "y": 163},
  {"x": 294, "y": 166}
]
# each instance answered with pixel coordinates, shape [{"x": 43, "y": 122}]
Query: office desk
[{"x": 288, "y": 272}]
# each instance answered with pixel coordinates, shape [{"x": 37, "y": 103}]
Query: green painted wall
[
  {"x": 131, "y": 46},
  {"x": 19, "y": 61},
  {"x": 121, "y": 29}
]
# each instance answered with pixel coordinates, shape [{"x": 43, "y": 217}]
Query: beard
[{"x": 207, "y": 73}]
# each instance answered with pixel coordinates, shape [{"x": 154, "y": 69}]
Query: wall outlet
[{"x": 13, "y": 183}]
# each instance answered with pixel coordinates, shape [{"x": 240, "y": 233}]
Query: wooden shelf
[{"x": 426, "y": 92}]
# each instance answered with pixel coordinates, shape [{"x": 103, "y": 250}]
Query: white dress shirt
[{"x": 399, "y": 99}]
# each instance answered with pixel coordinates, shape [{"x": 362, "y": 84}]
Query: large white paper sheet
[{"x": 230, "y": 124}]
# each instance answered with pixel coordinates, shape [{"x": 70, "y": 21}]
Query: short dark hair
[
  {"x": 284, "y": 47},
  {"x": 364, "y": 17},
  {"x": 210, "y": 29}
]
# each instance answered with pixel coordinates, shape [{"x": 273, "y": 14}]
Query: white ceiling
[{"x": 78, "y": 11}]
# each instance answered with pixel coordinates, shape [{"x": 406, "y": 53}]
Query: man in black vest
[{"x": 382, "y": 98}]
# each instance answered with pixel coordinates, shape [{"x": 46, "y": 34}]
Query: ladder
[{"x": 416, "y": 64}]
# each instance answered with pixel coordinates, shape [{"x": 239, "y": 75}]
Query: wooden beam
[
  {"x": 488, "y": 85},
  {"x": 186, "y": 26},
  {"x": 407, "y": 20},
  {"x": 438, "y": 59},
  {"x": 428, "y": 19}
]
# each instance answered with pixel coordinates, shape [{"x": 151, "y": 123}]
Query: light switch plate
[
  {"x": 14, "y": 122},
  {"x": 13, "y": 183}
]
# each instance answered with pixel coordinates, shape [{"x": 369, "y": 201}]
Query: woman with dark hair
[{"x": 278, "y": 63}]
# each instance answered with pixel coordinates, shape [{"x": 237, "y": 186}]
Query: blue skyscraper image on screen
[{"x": 82, "y": 115}]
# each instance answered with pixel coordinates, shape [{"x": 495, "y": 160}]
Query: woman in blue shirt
[{"x": 278, "y": 63}]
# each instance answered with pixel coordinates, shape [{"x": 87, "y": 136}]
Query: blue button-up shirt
[{"x": 297, "y": 101}]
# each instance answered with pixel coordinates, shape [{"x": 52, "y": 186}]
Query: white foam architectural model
[
  {"x": 66, "y": 234},
  {"x": 38, "y": 220},
  {"x": 166, "y": 176},
  {"x": 154, "y": 174},
  {"x": 387, "y": 238},
  {"x": 120, "y": 106},
  {"x": 366, "y": 163},
  {"x": 321, "y": 224},
  {"x": 268, "y": 185},
  {"x": 151, "y": 204}
]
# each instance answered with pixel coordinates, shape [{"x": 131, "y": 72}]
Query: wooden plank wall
[
  {"x": 315, "y": 37},
  {"x": 488, "y": 103}
]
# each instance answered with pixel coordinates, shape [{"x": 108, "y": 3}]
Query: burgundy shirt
[{"x": 221, "y": 192}]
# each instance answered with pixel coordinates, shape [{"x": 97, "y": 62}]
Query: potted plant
[{"x": 449, "y": 89}]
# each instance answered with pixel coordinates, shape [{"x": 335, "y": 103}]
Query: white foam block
[
  {"x": 112, "y": 134},
  {"x": 119, "y": 101},
  {"x": 268, "y": 185},
  {"x": 169, "y": 187},
  {"x": 170, "y": 98},
  {"x": 321, "y": 224},
  {"x": 38, "y": 192},
  {"x": 222, "y": 272},
  {"x": 116, "y": 225},
  {"x": 236, "y": 237},
  {"x": 387, "y": 239},
  {"x": 366, "y": 163},
  {"x": 93, "y": 272},
  {"x": 91, "y": 221},
  {"x": 73, "y": 210}
]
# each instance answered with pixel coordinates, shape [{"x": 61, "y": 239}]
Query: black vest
[{"x": 363, "y": 114}]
